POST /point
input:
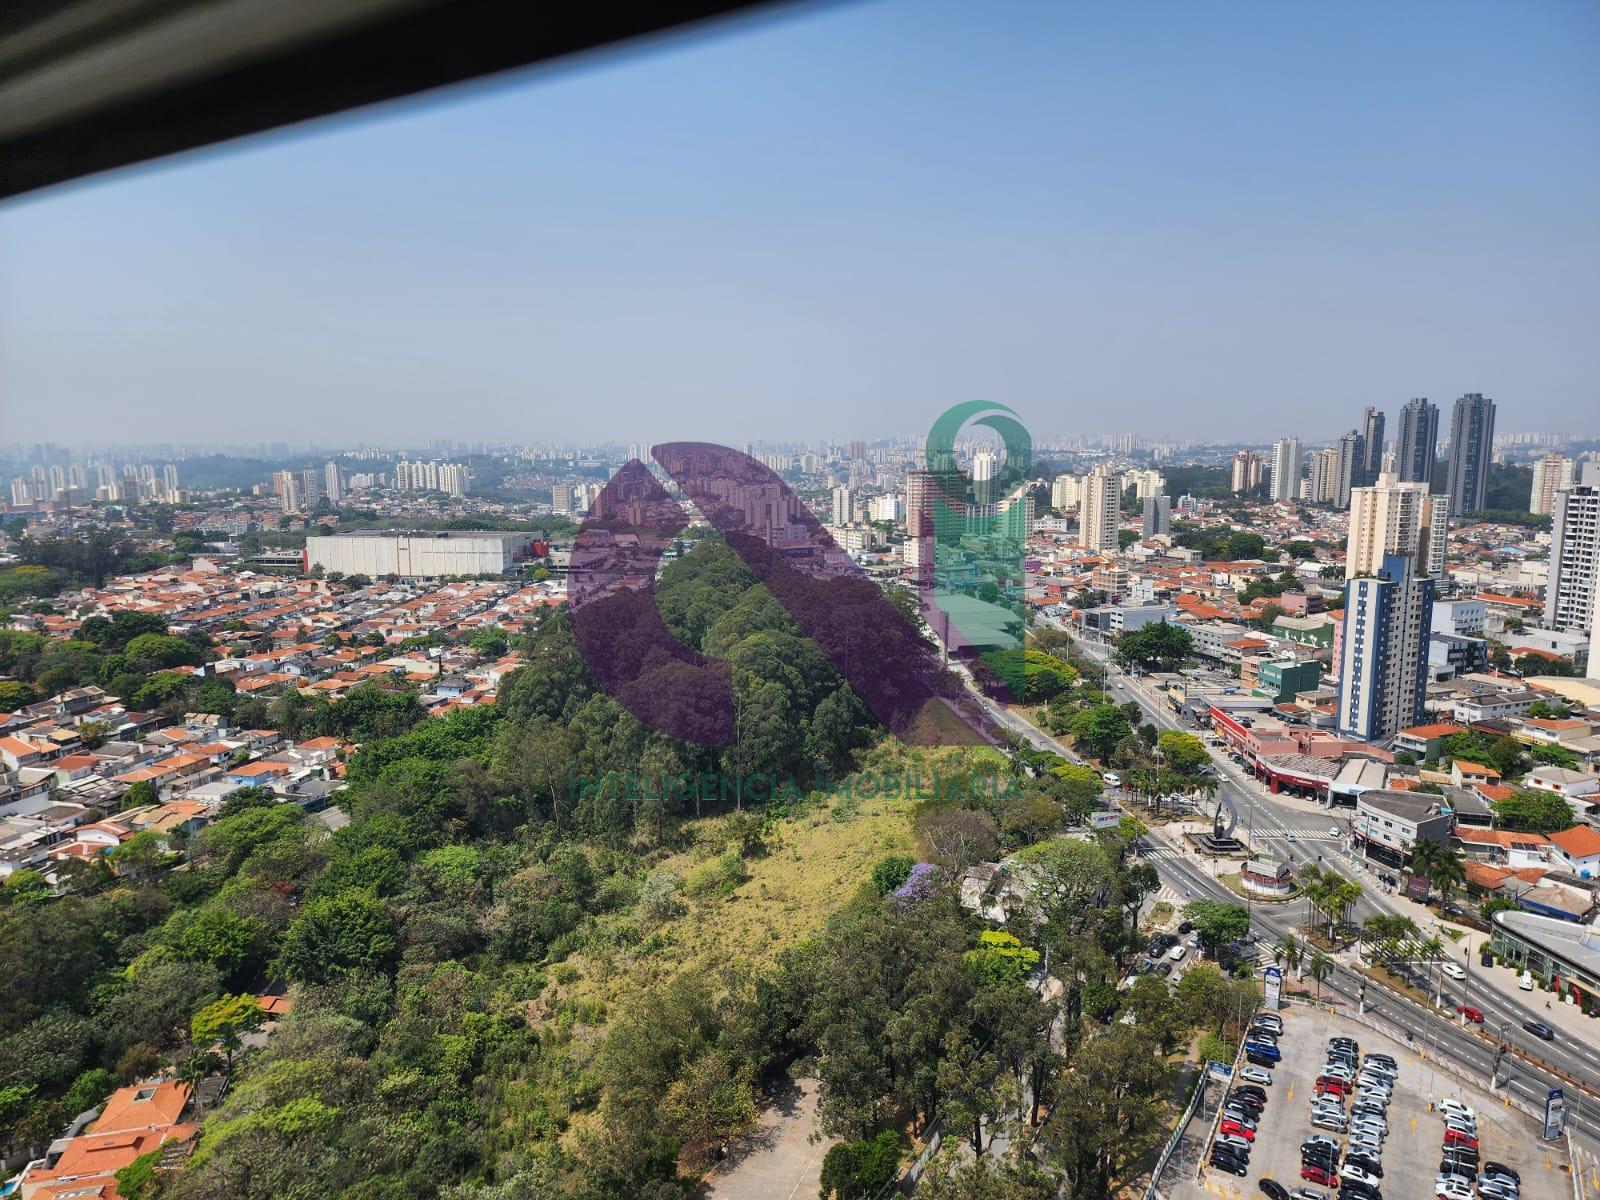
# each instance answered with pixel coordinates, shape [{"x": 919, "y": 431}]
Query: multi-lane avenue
[{"x": 1299, "y": 836}]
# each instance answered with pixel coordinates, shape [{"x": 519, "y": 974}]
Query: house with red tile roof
[
  {"x": 1578, "y": 850},
  {"x": 134, "y": 1121}
]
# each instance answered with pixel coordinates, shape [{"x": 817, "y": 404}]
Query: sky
[{"x": 1231, "y": 220}]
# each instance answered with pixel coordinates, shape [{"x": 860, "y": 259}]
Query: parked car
[
  {"x": 1256, "y": 1075},
  {"x": 1367, "y": 1163},
  {"x": 1274, "y": 1189},
  {"x": 1231, "y": 1165},
  {"x": 1451, "y": 1107},
  {"x": 1458, "y": 1137},
  {"x": 1525, "y": 981},
  {"x": 1313, "y": 1173},
  {"x": 1304, "y": 1193},
  {"x": 1498, "y": 1168}
]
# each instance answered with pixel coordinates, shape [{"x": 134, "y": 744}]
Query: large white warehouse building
[{"x": 423, "y": 555}]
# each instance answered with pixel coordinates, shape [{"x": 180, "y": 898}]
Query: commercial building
[
  {"x": 1388, "y": 824},
  {"x": 1417, "y": 441},
  {"x": 1282, "y": 681},
  {"x": 1551, "y": 474},
  {"x": 1569, "y": 602},
  {"x": 1286, "y": 469},
  {"x": 1246, "y": 472},
  {"x": 1383, "y": 664},
  {"x": 1548, "y": 947},
  {"x": 421, "y": 555},
  {"x": 1102, "y": 506},
  {"x": 1471, "y": 445}
]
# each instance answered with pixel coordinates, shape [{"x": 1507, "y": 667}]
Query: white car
[
  {"x": 1455, "y": 970},
  {"x": 1451, "y": 1107},
  {"x": 1256, "y": 1075},
  {"x": 1327, "y": 1121},
  {"x": 1351, "y": 1171},
  {"x": 1450, "y": 1187},
  {"x": 1112, "y": 779},
  {"x": 1177, "y": 952},
  {"x": 1526, "y": 981},
  {"x": 1233, "y": 1139}
]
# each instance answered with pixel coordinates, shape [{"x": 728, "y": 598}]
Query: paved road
[
  {"x": 1272, "y": 825},
  {"x": 777, "y": 1160}
]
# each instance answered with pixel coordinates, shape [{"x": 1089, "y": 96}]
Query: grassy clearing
[{"x": 816, "y": 863}]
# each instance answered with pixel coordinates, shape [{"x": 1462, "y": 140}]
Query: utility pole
[{"x": 1502, "y": 1044}]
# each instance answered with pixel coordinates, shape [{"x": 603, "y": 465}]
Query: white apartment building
[
  {"x": 844, "y": 505},
  {"x": 1101, "y": 511},
  {"x": 1551, "y": 474},
  {"x": 1246, "y": 471},
  {"x": 1066, "y": 492},
  {"x": 1385, "y": 518},
  {"x": 1570, "y": 596},
  {"x": 1286, "y": 469}
]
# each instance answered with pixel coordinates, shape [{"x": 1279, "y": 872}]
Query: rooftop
[{"x": 1576, "y": 944}]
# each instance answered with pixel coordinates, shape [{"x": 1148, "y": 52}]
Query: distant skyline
[{"x": 1223, "y": 222}]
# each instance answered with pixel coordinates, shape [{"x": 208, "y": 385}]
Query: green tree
[
  {"x": 1158, "y": 644},
  {"x": 890, "y": 872},
  {"x": 223, "y": 939},
  {"x": 350, "y": 931},
  {"x": 1182, "y": 752},
  {"x": 1217, "y": 922},
  {"x": 226, "y": 1021},
  {"x": 1099, "y": 729},
  {"x": 1533, "y": 812},
  {"x": 141, "y": 794},
  {"x": 860, "y": 1170}
]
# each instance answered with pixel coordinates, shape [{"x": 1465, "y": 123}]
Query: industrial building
[{"x": 428, "y": 554}]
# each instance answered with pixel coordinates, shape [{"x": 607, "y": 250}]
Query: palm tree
[
  {"x": 1290, "y": 953},
  {"x": 1377, "y": 931},
  {"x": 1321, "y": 968},
  {"x": 1424, "y": 853},
  {"x": 1447, "y": 874},
  {"x": 1432, "y": 951},
  {"x": 1346, "y": 895}
]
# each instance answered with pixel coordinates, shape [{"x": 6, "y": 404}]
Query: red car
[
  {"x": 1237, "y": 1130},
  {"x": 1315, "y": 1174},
  {"x": 1455, "y": 1137},
  {"x": 1332, "y": 1087},
  {"x": 1472, "y": 1014}
]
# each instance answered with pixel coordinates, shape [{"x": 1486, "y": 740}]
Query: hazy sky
[{"x": 1183, "y": 219}]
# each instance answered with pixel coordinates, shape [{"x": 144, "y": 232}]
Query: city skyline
[{"x": 1072, "y": 215}]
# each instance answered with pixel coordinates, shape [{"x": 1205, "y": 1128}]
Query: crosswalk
[{"x": 1310, "y": 833}]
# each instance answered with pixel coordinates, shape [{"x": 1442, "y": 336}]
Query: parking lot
[{"x": 1411, "y": 1150}]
